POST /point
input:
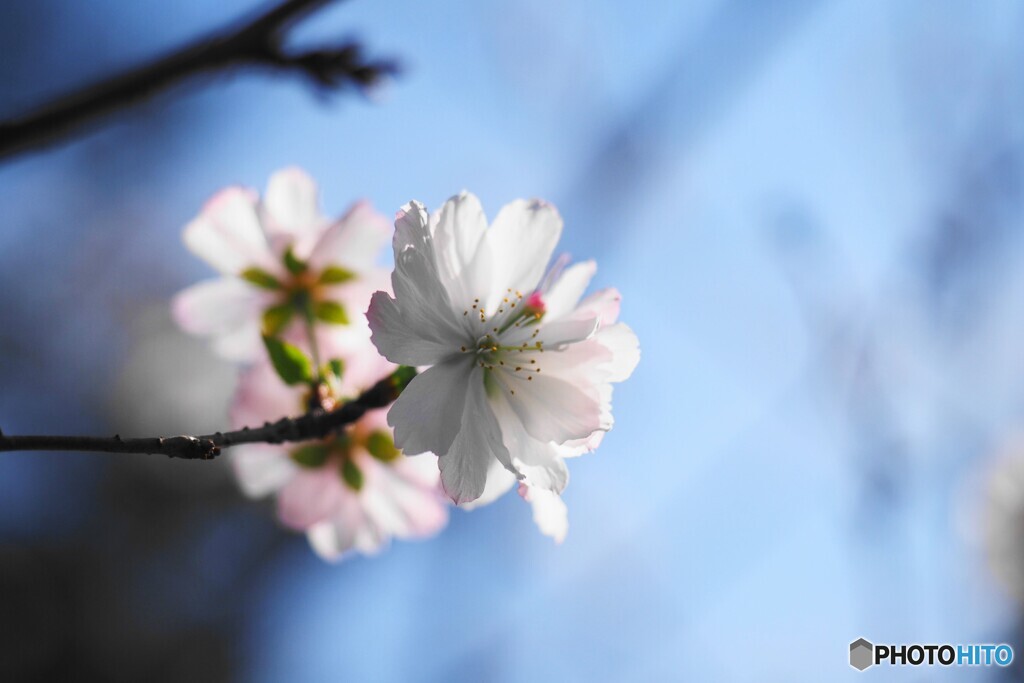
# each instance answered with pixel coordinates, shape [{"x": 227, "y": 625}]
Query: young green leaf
[
  {"x": 276, "y": 318},
  {"x": 336, "y": 367},
  {"x": 331, "y": 312},
  {"x": 382, "y": 447},
  {"x": 311, "y": 456},
  {"x": 260, "y": 278},
  {"x": 335, "y": 275},
  {"x": 292, "y": 365},
  {"x": 294, "y": 265},
  {"x": 351, "y": 474}
]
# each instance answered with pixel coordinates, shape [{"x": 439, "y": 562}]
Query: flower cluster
[{"x": 516, "y": 365}]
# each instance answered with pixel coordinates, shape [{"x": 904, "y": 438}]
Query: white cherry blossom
[
  {"x": 520, "y": 369},
  {"x": 280, "y": 261}
]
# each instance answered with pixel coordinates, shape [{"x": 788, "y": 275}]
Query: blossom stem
[{"x": 315, "y": 424}]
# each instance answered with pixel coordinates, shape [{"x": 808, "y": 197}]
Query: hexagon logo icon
[{"x": 862, "y": 654}]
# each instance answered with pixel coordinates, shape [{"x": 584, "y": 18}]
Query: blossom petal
[
  {"x": 553, "y": 409},
  {"x": 428, "y": 416},
  {"x": 563, "y": 296},
  {"x": 227, "y": 234},
  {"x": 291, "y": 203},
  {"x": 521, "y": 240},
  {"x": 261, "y": 396},
  {"x": 396, "y": 338},
  {"x": 535, "y": 460},
  {"x": 310, "y": 497},
  {"x": 261, "y": 468},
  {"x": 499, "y": 482},
  {"x": 216, "y": 306},
  {"x": 458, "y": 232},
  {"x": 354, "y": 241},
  {"x": 398, "y": 502},
  {"x": 625, "y": 349},
  {"x": 332, "y": 538},
  {"x": 464, "y": 466},
  {"x": 602, "y": 304},
  {"x": 549, "y": 511}
]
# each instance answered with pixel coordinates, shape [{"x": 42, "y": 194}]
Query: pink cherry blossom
[
  {"x": 520, "y": 368},
  {"x": 350, "y": 492},
  {"x": 280, "y": 260}
]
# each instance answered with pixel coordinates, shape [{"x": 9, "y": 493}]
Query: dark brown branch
[
  {"x": 313, "y": 425},
  {"x": 257, "y": 43}
]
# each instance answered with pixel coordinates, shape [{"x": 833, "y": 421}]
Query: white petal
[
  {"x": 310, "y": 497},
  {"x": 261, "y": 396},
  {"x": 549, "y": 512},
  {"x": 228, "y": 236},
  {"x": 291, "y": 203},
  {"x": 602, "y": 304},
  {"x": 464, "y": 466},
  {"x": 335, "y": 536},
  {"x": 553, "y": 335},
  {"x": 398, "y": 502},
  {"x": 499, "y": 482},
  {"x": 429, "y": 414},
  {"x": 458, "y": 233},
  {"x": 521, "y": 240},
  {"x": 552, "y": 409},
  {"x": 406, "y": 339},
  {"x": 537, "y": 461},
  {"x": 242, "y": 344},
  {"x": 625, "y": 348},
  {"x": 217, "y": 306},
  {"x": 563, "y": 296},
  {"x": 261, "y": 468},
  {"x": 354, "y": 241}
]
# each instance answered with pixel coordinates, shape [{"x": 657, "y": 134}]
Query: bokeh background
[{"x": 813, "y": 210}]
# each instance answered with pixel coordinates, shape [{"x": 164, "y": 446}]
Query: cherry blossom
[
  {"x": 520, "y": 369},
  {"x": 282, "y": 263},
  {"x": 349, "y": 492}
]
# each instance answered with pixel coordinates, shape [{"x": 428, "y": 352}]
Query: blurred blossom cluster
[{"x": 511, "y": 391}]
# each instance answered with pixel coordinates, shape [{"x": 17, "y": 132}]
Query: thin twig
[
  {"x": 258, "y": 42},
  {"x": 313, "y": 425}
]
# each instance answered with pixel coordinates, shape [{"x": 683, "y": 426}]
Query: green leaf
[
  {"x": 276, "y": 318},
  {"x": 312, "y": 456},
  {"x": 260, "y": 278},
  {"x": 401, "y": 377},
  {"x": 382, "y": 447},
  {"x": 292, "y": 365},
  {"x": 351, "y": 474},
  {"x": 331, "y": 312},
  {"x": 294, "y": 265},
  {"x": 336, "y": 367},
  {"x": 335, "y": 275}
]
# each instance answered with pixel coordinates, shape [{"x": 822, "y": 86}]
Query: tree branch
[
  {"x": 258, "y": 43},
  {"x": 315, "y": 424}
]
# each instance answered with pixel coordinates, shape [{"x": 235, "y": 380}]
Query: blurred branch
[
  {"x": 258, "y": 43},
  {"x": 315, "y": 424}
]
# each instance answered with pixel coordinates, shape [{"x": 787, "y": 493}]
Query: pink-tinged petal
[
  {"x": 537, "y": 462},
  {"x": 291, "y": 204},
  {"x": 521, "y": 240},
  {"x": 499, "y": 482},
  {"x": 310, "y": 497},
  {"x": 398, "y": 502},
  {"x": 227, "y": 234},
  {"x": 241, "y": 344},
  {"x": 261, "y": 397},
  {"x": 602, "y": 304},
  {"x": 261, "y": 469},
  {"x": 464, "y": 466},
  {"x": 458, "y": 232},
  {"x": 552, "y": 409},
  {"x": 334, "y": 537},
  {"x": 429, "y": 414},
  {"x": 217, "y": 306},
  {"x": 549, "y": 512},
  {"x": 354, "y": 241},
  {"x": 565, "y": 293},
  {"x": 625, "y": 349}
]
